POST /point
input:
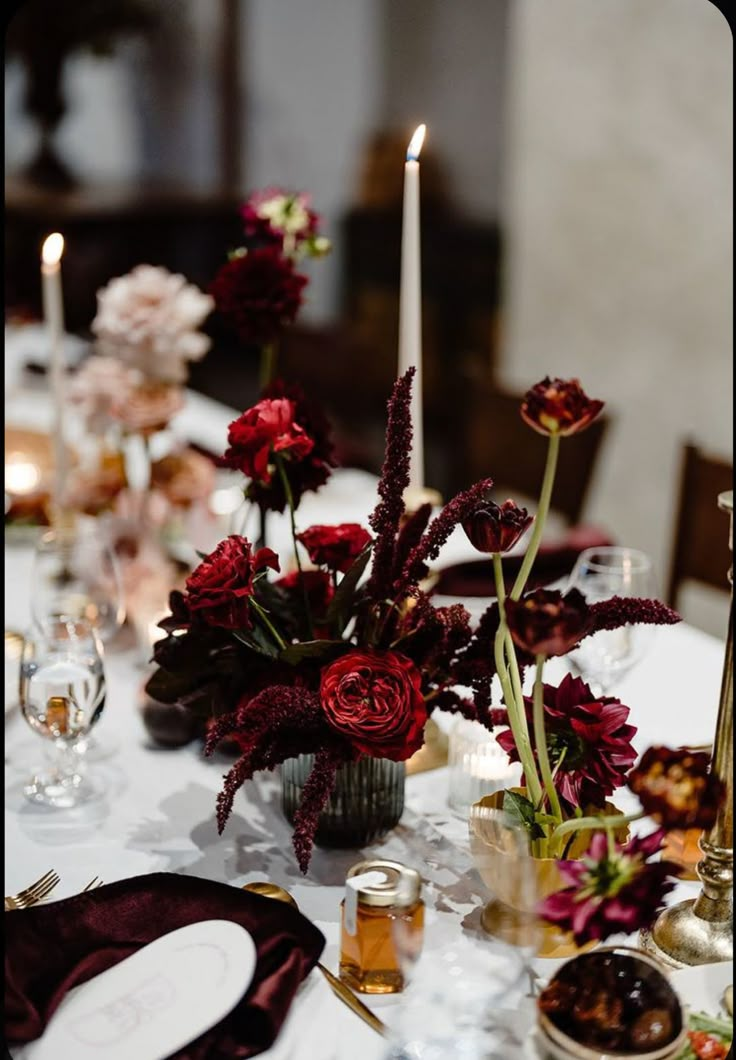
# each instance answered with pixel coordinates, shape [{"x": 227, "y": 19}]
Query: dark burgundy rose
[
  {"x": 612, "y": 888},
  {"x": 335, "y": 547},
  {"x": 496, "y": 528},
  {"x": 219, "y": 590},
  {"x": 375, "y": 700},
  {"x": 588, "y": 741},
  {"x": 308, "y": 473},
  {"x": 559, "y": 406},
  {"x": 545, "y": 622},
  {"x": 267, "y": 428},
  {"x": 677, "y": 787},
  {"x": 258, "y": 293}
]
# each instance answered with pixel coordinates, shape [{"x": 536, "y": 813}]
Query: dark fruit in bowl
[{"x": 614, "y": 1001}]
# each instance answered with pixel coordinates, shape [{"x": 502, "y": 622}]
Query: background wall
[{"x": 618, "y": 213}]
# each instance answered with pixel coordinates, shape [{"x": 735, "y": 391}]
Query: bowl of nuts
[{"x": 612, "y": 1004}]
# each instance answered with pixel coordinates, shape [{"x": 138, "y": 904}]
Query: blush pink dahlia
[
  {"x": 588, "y": 741},
  {"x": 613, "y": 888}
]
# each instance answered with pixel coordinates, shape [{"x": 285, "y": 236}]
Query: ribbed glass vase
[{"x": 366, "y": 804}]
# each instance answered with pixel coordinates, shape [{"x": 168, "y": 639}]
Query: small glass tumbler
[{"x": 478, "y": 766}]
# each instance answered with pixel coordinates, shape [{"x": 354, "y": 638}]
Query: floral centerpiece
[{"x": 345, "y": 657}]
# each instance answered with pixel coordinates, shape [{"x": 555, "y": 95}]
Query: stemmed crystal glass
[
  {"x": 598, "y": 574},
  {"x": 62, "y": 695},
  {"x": 76, "y": 574}
]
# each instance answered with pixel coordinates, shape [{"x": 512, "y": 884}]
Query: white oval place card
[{"x": 155, "y": 1001}]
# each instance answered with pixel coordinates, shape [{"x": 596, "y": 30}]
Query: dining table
[{"x": 157, "y": 809}]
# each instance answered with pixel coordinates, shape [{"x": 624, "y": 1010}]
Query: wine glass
[
  {"x": 62, "y": 695},
  {"x": 76, "y": 574},
  {"x": 598, "y": 574}
]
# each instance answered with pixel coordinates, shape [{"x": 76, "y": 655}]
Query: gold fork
[
  {"x": 33, "y": 894},
  {"x": 93, "y": 884}
]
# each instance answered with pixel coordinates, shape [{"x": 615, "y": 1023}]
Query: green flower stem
[
  {"x": 514, "y": 706},
  {"x": 292, "y": 514},
  {"x": 544, "y": 498},
  {"x": 577, "y": 824},
  {"x": 267, "y": 623},
  {"x": 540, "y": 740},
  {"x": 269, "y": 358}
]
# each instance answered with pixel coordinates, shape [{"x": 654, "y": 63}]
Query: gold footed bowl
[{"x": 511, "y": 913}]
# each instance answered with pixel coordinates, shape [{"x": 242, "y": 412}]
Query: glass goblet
[
  {"x": 598, "y": 574},
  {"x": 62, "y": 695},
  {"x": 75, "y": 574}
]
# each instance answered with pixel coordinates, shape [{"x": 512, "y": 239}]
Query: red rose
[
  {"x": 375, "y": 700},
  {"x": 218, "y": 591},
  {"x": 559, "y": 406},
  {"x": 267, "y": 428},
  {"x": 547, "y": 623},
  {"x": 335, "y": 547},
  {"x": 496, "y": 528},
  {"x": 258, "y": 293}
]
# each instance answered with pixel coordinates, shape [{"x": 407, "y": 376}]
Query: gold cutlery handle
[{"x": 346, "y": 994}]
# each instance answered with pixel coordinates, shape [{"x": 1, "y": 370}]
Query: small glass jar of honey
[{"x": 382, "y": 925}]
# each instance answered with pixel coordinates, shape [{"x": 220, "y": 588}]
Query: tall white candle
[
  {"x": 53, "y": 314},
  {"x": 410, "y": 304}
]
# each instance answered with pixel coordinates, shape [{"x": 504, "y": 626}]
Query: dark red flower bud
[
  {"x": 559, "y": 406},
  {"x": 496, "y": 528},
  {"x": 677, "y": 787},
  {"x": 258, "y": 293},
  {"x": 547, "y": 623},
  {"x": 335, "y": 547}
]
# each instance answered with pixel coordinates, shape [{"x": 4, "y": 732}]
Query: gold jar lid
[{"x": 401, "y": 885}]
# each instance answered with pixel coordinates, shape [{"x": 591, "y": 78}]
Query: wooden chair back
[
  {"x": 501, "y": 445},
  {"x": 700, "y": 551}
]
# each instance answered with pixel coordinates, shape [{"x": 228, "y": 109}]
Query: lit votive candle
[
  {"x": 22, "y": 476},
  {"x": 478, "y": 766}
]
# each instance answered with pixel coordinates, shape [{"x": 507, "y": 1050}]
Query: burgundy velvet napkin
[{"x": 51, "y": 948}]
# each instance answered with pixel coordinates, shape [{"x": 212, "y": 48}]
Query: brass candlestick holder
[{"x": 700, "y": 931}]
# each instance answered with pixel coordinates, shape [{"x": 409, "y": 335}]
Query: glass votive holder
[{"x": 478, "y": 766}]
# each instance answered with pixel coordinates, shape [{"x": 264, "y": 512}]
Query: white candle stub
[{"x": 22, "y": 476}]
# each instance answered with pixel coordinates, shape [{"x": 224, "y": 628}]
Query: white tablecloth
[{"x": 158, "y": 812}]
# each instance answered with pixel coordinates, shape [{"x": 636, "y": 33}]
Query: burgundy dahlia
[
  {"x": 677, "y": 787},
  {"x": 335, "y": 547},
  {"x": 545, "y": 622},
  {"x": 258, "y": 293},
  {"x": 613, "y": 888},
  {"x": 588, "y": 741},
  {"x": 266, "y": 429},
  {"x": 496, "y": 528},
  {"x": 219, "y": 590},
  {"x": 559, "y": 406}
]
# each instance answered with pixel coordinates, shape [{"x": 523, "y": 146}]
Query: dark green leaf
[
  {"x": 257, "y": 640},
  {"x": 521, "y": 810},
  {"x": 341, "y": 605},
  {"x": 311, "y": 649}
]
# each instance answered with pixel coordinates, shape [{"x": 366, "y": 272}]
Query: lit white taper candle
[
  {"x": 410, "y": 304},
  {"x": 53, "y": 314}
]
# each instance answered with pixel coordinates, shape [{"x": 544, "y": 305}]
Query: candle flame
[
  {"x": 53, "y": 248},
  {"x": 415, "y": 144}
]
